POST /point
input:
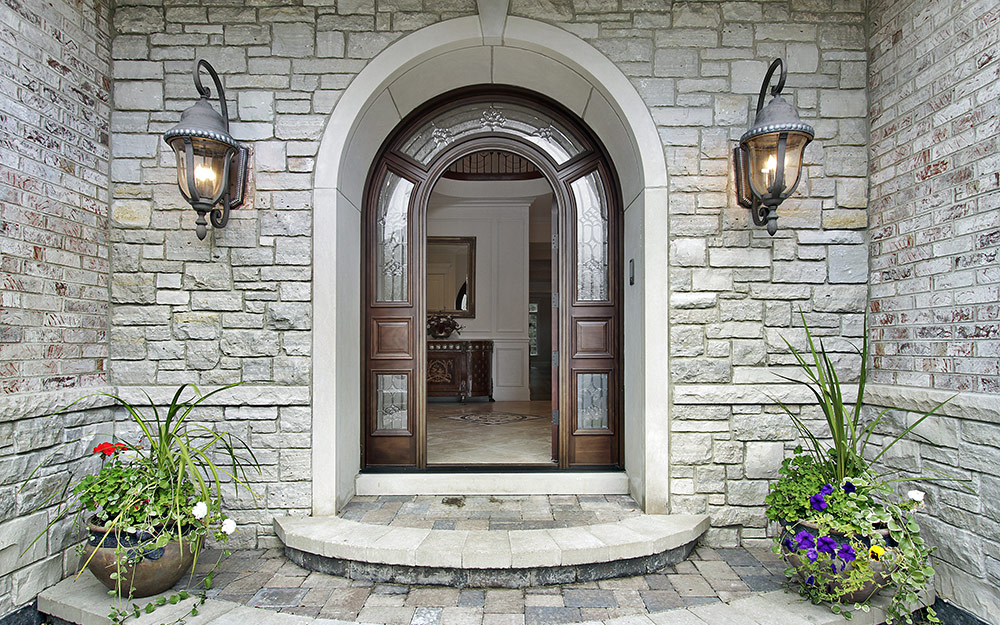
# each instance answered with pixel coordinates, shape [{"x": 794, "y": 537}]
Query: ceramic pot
[
  {"x": 150, "y": 570},
  {"x": 441, "y": 335},
  {"x": 834, "y": 581}
]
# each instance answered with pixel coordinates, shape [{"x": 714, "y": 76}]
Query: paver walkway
[{"x": 266, "y": 579}]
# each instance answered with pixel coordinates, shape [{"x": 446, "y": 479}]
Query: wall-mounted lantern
[
  {"x": 211, "y": 165},
  {"x": 769, "y": 157}
]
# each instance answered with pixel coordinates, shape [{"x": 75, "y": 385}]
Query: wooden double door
[{"x": 586, "y": 264}]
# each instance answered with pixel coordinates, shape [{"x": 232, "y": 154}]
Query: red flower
[{"x": 108, "y": 448}]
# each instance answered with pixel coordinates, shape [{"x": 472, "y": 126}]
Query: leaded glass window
[
  {"x": 392, "y": 397},
  {"x": 492, "y": 117},
  {"x": 392, "y": 239},
  {"x": 591, "y": 401},
  {"x": 591, "y": 239}
]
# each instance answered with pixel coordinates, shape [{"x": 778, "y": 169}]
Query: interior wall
[
  {"x": 497, "y": 214},
  {"x": 55, "y": 109},
  {"x": 934, "y": 81}
]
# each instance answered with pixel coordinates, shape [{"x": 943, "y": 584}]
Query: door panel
[
  {"x": 594, "y": 393},
  {"x": 392, "y": 326}
]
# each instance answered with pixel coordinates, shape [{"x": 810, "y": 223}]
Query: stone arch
[{"x": 427, "y": 63}]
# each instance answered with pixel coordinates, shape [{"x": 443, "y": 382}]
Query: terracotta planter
[
  {"x": 150, "y": 570},
  {"x": 833, "y": 581}
]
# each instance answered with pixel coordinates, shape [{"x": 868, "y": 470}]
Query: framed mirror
[{"x": 451, "y": 276}]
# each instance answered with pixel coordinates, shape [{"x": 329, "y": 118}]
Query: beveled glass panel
[
  {"x": 591, "y": 401},
  {"x": 501, "y": 118},
  {"x": 392, "y": 396},
  {"x": 392, "y": 239},
  {"x": 591, "y": 239}
]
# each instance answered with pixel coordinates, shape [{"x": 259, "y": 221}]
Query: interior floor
[{"x": 503, "y": 432}]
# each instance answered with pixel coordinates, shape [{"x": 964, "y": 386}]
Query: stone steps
[{"x": 489, "y": 558}]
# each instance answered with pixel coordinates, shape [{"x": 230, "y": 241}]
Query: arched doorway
[
  {"x": 413, "y": 70},
  {"x": 587, "y": 299}
]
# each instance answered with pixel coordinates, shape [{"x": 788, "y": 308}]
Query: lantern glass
[
  {"x": 763, "y": 153},
  {"x": 209, "y": 166}
]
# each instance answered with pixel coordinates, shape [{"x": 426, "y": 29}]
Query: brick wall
[
  {"x": 934, "y": 81},
  {"x": 935, "y": 212},
  {"x": 55, "y": 102},
  {"x": 55, "y": 95}
]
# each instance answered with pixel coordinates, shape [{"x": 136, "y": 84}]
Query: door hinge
[
  {"x": 555, "y": 417},
  {"x": 555, "y": 300},
  {"x": 555, "y": 356},
  {"x": 555, "y": 241}
]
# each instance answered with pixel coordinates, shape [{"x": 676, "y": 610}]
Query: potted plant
[
  {"x": 844, "y": 532},
  {"x": 150, "y": 506},
  {"x": 442, "y": 326}
]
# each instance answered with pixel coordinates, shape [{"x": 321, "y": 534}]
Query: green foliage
[
  {"x": 844, "y": 456},
  {"x": 165, "y": 486},
  {"x": 858, "y": 507}
]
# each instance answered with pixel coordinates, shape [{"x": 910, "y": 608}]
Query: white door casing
[{"x": 418, "y": 67}]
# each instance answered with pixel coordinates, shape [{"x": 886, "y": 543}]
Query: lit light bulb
[
  {"x": 770, "y": 167},
  {"x": 204, "y": 174}
]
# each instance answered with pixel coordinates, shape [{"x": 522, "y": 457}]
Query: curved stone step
[{"x": 511, "y": 558}]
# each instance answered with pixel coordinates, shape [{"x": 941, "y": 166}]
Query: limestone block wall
[
  {"x": 55, "y": 103},
  {"x": 735, "y": 291},
  {"x": 236, "y": 307},
  {"x": 935, "y": 279}
]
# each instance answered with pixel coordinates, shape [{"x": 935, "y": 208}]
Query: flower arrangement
[
  {"x": 164, "y": 488},
  {"x": 442, "y": 326},
  {"x": 845, "y": 532}
]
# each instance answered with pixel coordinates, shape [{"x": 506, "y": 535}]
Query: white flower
[
  {"x": 199, "y": 510},
  {"x": 228, "y": 526},
  {"x": 916, "y": 495}
]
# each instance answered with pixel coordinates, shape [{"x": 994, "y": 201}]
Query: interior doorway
[
  {"x": 405, "y": 286},
  {"x": 486, "y": 219}
]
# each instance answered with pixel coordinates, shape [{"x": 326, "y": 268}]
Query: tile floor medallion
[{"x": 503, "y": 432}]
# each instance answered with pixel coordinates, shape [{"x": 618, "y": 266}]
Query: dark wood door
[
  {"x": 393, "y": 324},
  {"x": 586, "y": 300},
  {"x": 592, "y": 388}
]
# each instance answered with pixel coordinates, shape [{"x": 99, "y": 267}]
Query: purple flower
[
  {"x": 846, "y": 553},
  {"x": 849, "y": 487},
  {"x": 818, "y": 502},
  {"x": 833, "y": 567},
  {"x": 810, "y": 580},
  {"x": 812, "y": 555},
  {"x": 827, "y": 489},
  {"x": 790, "y": 544},
  {"x": 805, "y": 540},
  {"x": 828, "y": 545}
]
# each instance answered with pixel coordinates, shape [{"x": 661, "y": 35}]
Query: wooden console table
[{"x": 460, "y": 369}]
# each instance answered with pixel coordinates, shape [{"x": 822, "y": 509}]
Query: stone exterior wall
[
  {"x": 55, "y": 103},
  {"x": 236, "y": 307},
  {"x": 934, "y": 81},
  {"x": 735, "y": 291}
]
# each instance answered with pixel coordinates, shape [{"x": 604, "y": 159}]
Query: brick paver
[{"x": 268, "y": 580}]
